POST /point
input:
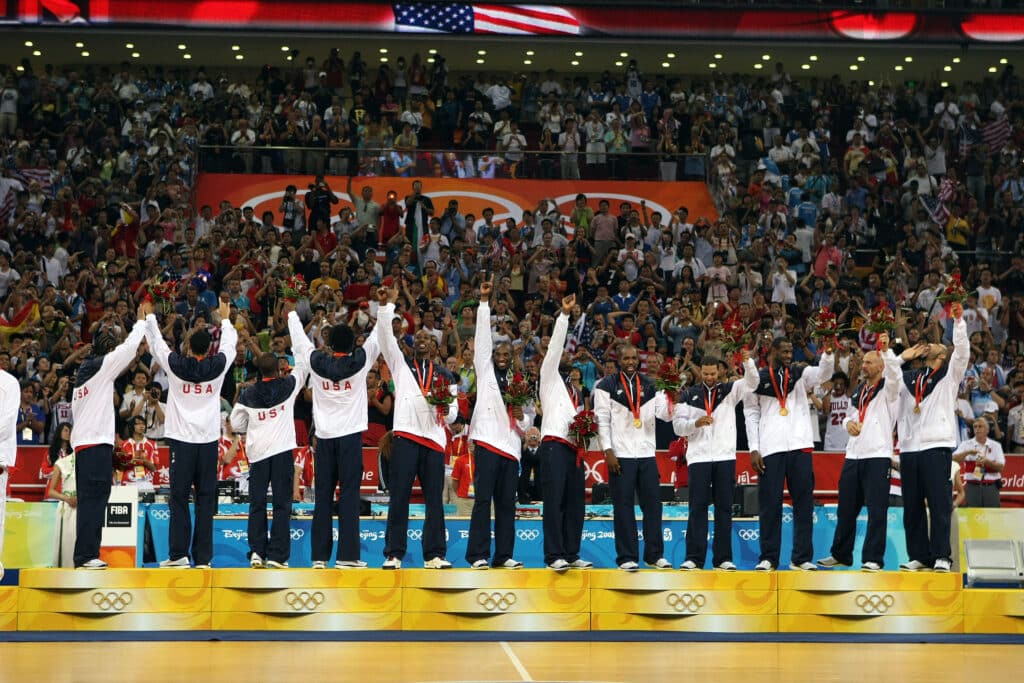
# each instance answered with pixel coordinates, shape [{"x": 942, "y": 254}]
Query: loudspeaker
[
  {"x": 744, "y": 501},
  {"x": 601, "y": 494}
]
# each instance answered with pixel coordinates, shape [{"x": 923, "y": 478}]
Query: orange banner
[{"x": 507, "y": 197}]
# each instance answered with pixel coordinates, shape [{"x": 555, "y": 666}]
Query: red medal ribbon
[
  {"x": 867, "y": 395},
  {"x": 425, "y": 387},
  {"x": 784, "y": 394},
  {"x": 709, "y": 400},
  {"x": 632, "y": 399},
  {"x": 919, "y": 386}
]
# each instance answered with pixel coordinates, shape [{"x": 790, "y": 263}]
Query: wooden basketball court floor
[{"x": 411, "y": 662}]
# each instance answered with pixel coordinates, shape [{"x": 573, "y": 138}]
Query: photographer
[{"x": 319, "y": 199}]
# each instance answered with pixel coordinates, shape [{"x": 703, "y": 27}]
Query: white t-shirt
[
  {"x": 7, "y": 278},
  {"x": 783, "y": 290},
  {"x": 989, "y": 297}
]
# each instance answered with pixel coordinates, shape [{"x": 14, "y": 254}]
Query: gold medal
[
  {"x": 783, "y": 411},
  {"x": 637, "y": 423},
  {"x": 917, "y": 409}
]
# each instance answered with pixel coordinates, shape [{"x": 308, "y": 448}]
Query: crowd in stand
[{"x": 831, "y": 193}]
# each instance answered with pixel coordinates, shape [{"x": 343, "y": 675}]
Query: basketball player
[
  {"x": 927, "y": 430},
  {"x": 340, "y": 413},
  {"x": 778, "y": 421},
  {"x": 92, "y": 405},
  {"x": 192, "y": 429},
  {"x": 864, "y": 481},
  {"x": 419, "y": 440},
  {"x": 625, "y": 405},
  {"x": 496, "y": 430},
  {"x": 562, "y": 478}
]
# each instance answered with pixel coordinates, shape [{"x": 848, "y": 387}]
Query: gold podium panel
[
  {"x": 114, "y": 600},
  {"x": 8, "y": 608},
  {"x": 993, "y": 611},
  {"x": 858, "y": 602},
  {"x": 496, "y": 600},
  {"x": 306, "y": 600},
  {"x": 684, "y": 601}
]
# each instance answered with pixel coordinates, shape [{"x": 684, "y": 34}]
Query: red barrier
[{"x": 27, "y": 484}]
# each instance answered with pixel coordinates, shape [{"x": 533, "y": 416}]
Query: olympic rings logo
[
  {"x": 491, "y": 602},
  {"x": 749, "y": 534},
  {"x": 873, "y": 603},
  {"x": 296, "y": 534},
  {"x": 528, "y": 534},
  {"x": 304, "y": 601},
  {"x": 160, "y": 514},
  {"x": 415, "y": 534},
  {"x": 787, "y": 517},
  {"x": 686, "y": 602},
  {"x": 111, "y": 601}
]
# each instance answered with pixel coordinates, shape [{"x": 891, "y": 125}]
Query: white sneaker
[
  {"x": 319, "y": 564},
  {"x": 511, "y": 564},
  {"x": 803, "y": 567},
  {"x": 1, "y": 570},
  {"x": 480, "y": 564},
  {"x": 689, "y": 566},
  {"x": 203, "y": 566},
  {"x": 437, "y": 563},
  {"x": 255, "y": 561},
  {"x": 829, "y": 562},
  {"x": 913, "y": 566},
  {"x": 94, "y": 564},
  {"x": 629, "y": 566},
  {"x": 764, "y": 566},
  {"x": 274, "y": 564},
  {"x": 726, "y": 566},
  {"x": 392, "y": 563},
  {"x": 350, "y": 564},
  {"x": 871, "y": 567},
  {"x": 580, "y": 564},
  {"x": 180, "y": 563},
  {"x": 560, "y": 565},
  {"x": 942, "y": 565},
  {"x": 660, "y": 563}
]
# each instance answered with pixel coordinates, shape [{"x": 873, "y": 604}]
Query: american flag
[
  {"x": 938, "y": 207},
  {"x": 426, "y": 17},
  {"x": 43, "y": 176},
  {"x": 9, "y": 189},
  {"x": 995, "y": 134}
]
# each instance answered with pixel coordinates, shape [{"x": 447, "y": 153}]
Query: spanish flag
[{"x": 20, "y": 321}]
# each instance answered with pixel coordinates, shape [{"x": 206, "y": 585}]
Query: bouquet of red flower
[
  {"x": 880, "y": 320},
  {"x": 122, "y": 460},
  {"x": 825, "y": 328},
  {"x": 293, "y": 288},
  {"x": 440, "y": 397},
  {"x": 736, "y": 338},
  {"x": 581, "y": 429},
  {"x": 954, "y": 293},
  {"x": 161, "y": 294},
  {"x": 519, "y": 391},
  {"x": 670, "y": 380}
]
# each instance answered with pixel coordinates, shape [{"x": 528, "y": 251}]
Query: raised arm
[
  {"x": 118, "y": 360},
  {"x": 961, "y": 355},
  {"x": 556, "y": 344},
  {"x": 745, "y": 386},
  {"x": 157, "y": 346},
  {"x": 385, "y": 337},
  {"x": 228, "y": 333},
  {"x": 815, "y": 375},
  {"x": 239, "y": 419},
  {"x": 483, "y": 344},
  {"x": 302, "y": 347}
]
